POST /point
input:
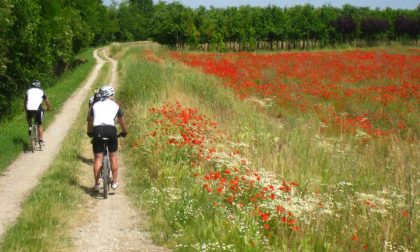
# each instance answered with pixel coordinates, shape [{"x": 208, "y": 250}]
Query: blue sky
[{"x": 395, "y": 4}]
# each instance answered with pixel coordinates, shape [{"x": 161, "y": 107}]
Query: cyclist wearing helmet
[
  {"x": 33, "y": 106},
  {"x": 101, "y": 123}
]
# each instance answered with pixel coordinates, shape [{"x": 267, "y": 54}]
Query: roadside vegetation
[
  {"x": 221, "y": 167},
  {"x": 55, "y": 204},
  {"x": 14, "y": 131}
]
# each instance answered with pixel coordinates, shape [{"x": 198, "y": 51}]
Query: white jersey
[
  {"x": 34, "y": 98},
  {"x": 104, "y": 112}
]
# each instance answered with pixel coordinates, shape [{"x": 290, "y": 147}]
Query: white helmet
[
  {"x": 36, "y": 83},
  {"x": 107, "y": 91}
]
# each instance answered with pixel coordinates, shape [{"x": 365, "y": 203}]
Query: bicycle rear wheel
[
  {"x": 105, "y": 176},
  {"x": 34, "y": 134},
  {"x": 38, "y": 140}
]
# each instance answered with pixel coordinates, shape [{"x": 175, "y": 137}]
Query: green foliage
[
  {"x": 132, "y": 24},
  {"x": 6, "y": 22},
  {"x": 170, "y": 23},
  {"x": 39, "y": 40},
  {"x": 250, "y": 28}
]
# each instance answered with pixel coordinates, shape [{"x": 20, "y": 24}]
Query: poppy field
[
  {"x": 373, "y": 92},
  {"x": 301, "y": 151}
]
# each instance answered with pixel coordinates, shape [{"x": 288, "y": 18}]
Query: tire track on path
[{"x": 25, "y": 172}]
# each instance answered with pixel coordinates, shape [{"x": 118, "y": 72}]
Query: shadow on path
[
  {"x": 88, "y": 161},
  {"x": 22, "y": 142}
]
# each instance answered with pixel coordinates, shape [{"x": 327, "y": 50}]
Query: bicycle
[
  {"x": 105, "y": 172},
  {"x": 34, "y": 136}
]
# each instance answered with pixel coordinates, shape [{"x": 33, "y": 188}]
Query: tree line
[
  {"x": 272, "y": 27},
  {"x": 40, "y": 38}
]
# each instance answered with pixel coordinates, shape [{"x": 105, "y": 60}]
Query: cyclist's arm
[
  {"x": 89, "y": 128},
  {"x": 47, "y": 102},
  {"x": 121, "y": 121}
]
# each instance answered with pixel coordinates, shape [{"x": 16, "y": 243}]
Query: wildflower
[
  {"x": 291, "y": 221},
  {"x": 280, "y": 209},
  {"x": 295, "y": 228},
  {"x": 265, "y": 216}
]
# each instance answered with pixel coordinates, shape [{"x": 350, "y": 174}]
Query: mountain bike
[
  {"x": 105, "y": 172},
  {"x": 34, "y": 136}
]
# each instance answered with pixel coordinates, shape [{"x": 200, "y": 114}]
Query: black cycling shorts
[
  {"x": 38, "y": 114},
  {"x": 107, "y": 131}
]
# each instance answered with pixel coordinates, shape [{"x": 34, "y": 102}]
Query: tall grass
[
  {"x": 13, "y": 132},
  {"x": 367, "y": 194},
  {"x": 55, "y": 204}
]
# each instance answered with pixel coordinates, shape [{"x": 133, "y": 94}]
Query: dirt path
[
  {"x": 24, "y": 173},
  {"x": 112, "y": 224}
]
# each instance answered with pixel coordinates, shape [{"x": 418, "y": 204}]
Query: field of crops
[{"x": 289, "y": 151}]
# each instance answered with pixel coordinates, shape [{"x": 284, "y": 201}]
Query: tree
[
  {"x": 371, "y": 28},
  {"x": 346, "y": 27},
  {"x": 407, "y": 27},
  {"x": 131, "y": 23},
  {"x": 169, "y": 24},
  {"x": 326, "y": 31},
  {"x": 6, "y": 22},
  {"x": 145, "y": 7}
]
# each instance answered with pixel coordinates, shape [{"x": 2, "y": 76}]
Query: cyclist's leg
[
  {"x": 113, "y": 157},
  {"x": 29, "y": 118},
  {"x": 39, "y": 119},
  {"x": 113, "y": 153},
  {"x": 98, "y": 148},
  {"x": 97, "y": 166}
]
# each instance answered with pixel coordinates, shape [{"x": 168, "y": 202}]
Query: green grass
[
  {"x": 56, "y": 202},
  {"x": 291, "y": 145},
  {"x": 13, "y": 133}
]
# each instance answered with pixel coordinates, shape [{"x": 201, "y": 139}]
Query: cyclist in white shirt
[
  {"x": 33, "y": 107},
  {"x": 101, "y": 123}
]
